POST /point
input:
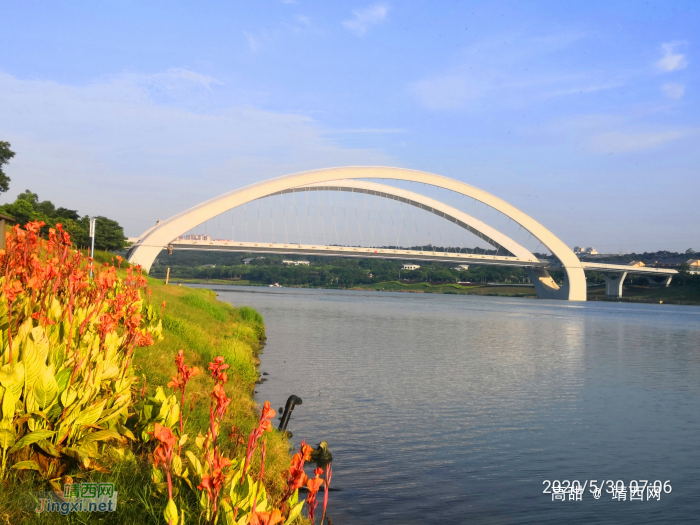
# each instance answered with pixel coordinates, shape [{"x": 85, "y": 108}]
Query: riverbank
[{"x": 195, "y": 322}]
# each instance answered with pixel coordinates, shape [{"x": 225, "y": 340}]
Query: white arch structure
[{"x": 158, "y": 237}]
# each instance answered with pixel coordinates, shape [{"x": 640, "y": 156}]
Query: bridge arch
[{"x": 157, "y": 238}]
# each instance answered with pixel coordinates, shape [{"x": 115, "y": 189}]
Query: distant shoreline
[{"x": 631, "y": 294}]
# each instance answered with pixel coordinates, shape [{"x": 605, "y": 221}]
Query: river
[{"x": 453, "y": 409}]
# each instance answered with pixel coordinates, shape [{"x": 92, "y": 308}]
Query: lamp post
[{"x": 92, "y": 234}]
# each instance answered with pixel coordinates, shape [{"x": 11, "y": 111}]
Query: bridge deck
[
  {"x": 406, "y": 255},
  {"x": 349, "y": 251}
]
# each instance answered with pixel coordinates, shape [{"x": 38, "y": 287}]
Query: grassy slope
[{"x": 203, "y": 327}]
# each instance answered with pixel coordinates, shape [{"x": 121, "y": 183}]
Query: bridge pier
[
  {"x": 573, "y": 288},
  {"x": 613, "y": 284},
  {"x": 663, "y": 283}
]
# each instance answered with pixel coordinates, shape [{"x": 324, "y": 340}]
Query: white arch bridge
[{"x": 503, "y": 249}]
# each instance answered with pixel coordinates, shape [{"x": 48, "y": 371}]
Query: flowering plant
[{"x": 67, "y": 343}]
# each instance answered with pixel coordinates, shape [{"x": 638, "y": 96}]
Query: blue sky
[{"x": 583, "y": 114}]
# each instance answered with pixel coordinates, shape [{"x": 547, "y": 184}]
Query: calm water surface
[{"x": 455, "y": 409}]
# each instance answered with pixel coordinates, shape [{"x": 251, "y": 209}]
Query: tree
[{"x": 5, "y": 155}]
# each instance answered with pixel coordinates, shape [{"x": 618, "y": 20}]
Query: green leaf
[
  {"x": 7, "y": 436},
  {"x": 27, "y": 465},
  {"x": 294, "y": 513},
  {"x": 91, "y": 415},
  {"x": 32, "y": 437},
  {"x": 100, "y": 435},
  {"x": 8, "y": 376},
  {"x": 227, "y": 511},
  {"x": 8, "y": 405},
  {"x": 170, "y": 513},
  {"x": 63, "y": 378},
  {"x": 49, "y": 448},
  {"x": 68, "y": 395},
  {"x": 46, "y": 388}
]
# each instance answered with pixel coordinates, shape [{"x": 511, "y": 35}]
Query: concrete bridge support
[
  {"x": 664, "y": 282},
  {"x": 613, "y": 284},
  {"x": 574, "y": 284}
]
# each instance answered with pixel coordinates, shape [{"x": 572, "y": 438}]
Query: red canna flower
[
  {"x": 313, "y": 485},
  {"x": 217, "y": 370},
  {"x": 266, "y": 518}
]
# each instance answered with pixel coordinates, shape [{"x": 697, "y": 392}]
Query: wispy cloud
[
  {"x": 174, "y": 75},
  {"x": 672, "y": 60},
  {"x": 625, "y": 142},
  {"x": 364, "y": 18},
  {"x": 303, "y": 19},
  {"x": 509, "y": 70},
  {"x": 674, "y": 91},
  {"x": 253, "y": 42}
]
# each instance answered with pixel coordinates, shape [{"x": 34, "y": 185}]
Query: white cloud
[
  {"x": 303, "y": 20},
  {"x": 113, "y": 148},
  {"x": 253, "y": 42},
  {"x": 671, "y": 60},
  {"x": 624, "y": 142},
  {"x": 509, "y": 71},
  {"x": 674, "y": 91},
  {"x": 364, "y": 18}
]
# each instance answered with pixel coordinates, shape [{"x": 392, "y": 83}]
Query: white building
[
  {"x": 295, "y": 263},
  {"x": 410, "y": 267},
  {"x": 461, "y": 267},
  {"x": 580, "y": 250}
]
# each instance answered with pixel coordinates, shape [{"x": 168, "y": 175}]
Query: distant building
[
  {"x": 675, "y": 262},
  {"x": 461, "y": 267},
  {"x": 249, "y": 260},
  {"x": 580, "y": 250},
  {"x": 637, "y": 263},
  {"x": 193, "y": 238},
  {"x": 410, "y": 267},
  {"x": 295, "y": 263}
]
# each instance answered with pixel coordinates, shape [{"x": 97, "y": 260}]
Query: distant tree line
[{"x": 328, "y": 271}]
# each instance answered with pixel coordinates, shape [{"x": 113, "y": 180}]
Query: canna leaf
[
  {"x": 8, "y": 376},
  {"x": 294, "y": 513},
  {"x": 91, "y": 415},
  {"x": 46, "y": 388},
  {"x": 19, "y": 385},
  {"x": 100, "y": 435},
  {"x": 27, "y": 465},
  {"x": 7, "y": 434},
  {"x": 8, "y": 405},
  {"x": 63, "y": 379},
  {"x": 32, "y": 437},
  {"x": 170, "y": 513},
  {"x": 68, "y": 396},
  {"x": 49, "y": 448}
]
